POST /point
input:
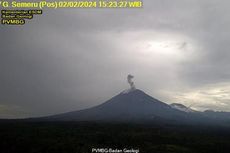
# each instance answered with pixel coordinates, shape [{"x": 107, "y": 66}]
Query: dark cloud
[{"x": 71, "y": 59}]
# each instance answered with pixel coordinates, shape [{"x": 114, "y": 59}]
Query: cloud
[
  {"x": 70, "y": 59},
  {"x": 212, "y": 96}
]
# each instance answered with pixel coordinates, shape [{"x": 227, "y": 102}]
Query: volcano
[{"x": 132, "y": 105}]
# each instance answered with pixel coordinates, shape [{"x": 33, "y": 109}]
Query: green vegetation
[{"x": 81, "y": 137}]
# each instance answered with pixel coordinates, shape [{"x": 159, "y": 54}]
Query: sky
[{"x": 72, "y": 59}]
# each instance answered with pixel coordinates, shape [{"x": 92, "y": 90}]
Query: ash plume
[{"x": 131, "y": 83}]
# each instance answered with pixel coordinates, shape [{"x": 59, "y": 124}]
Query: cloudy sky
[{"x": 71, "y": 59}]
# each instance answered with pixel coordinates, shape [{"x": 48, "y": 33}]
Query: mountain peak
[
  {"x": 131, "y": 90},
  {"x": 128, "y": 91},
  {"x": 127, "y": 106}
]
